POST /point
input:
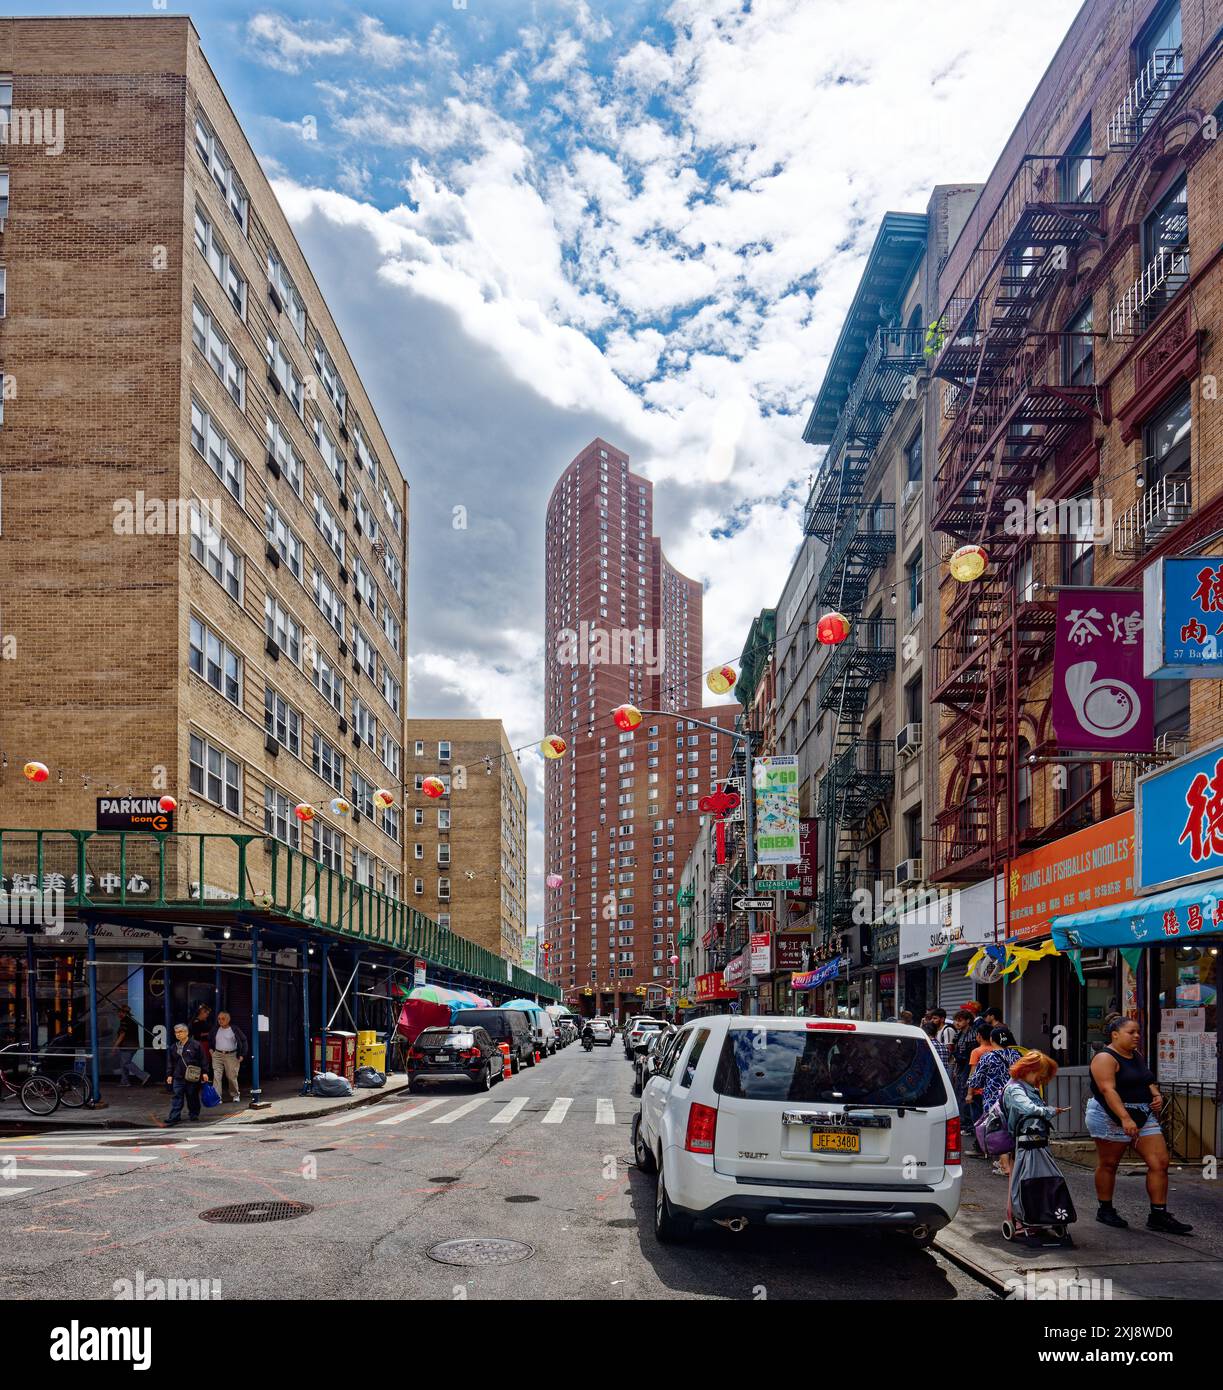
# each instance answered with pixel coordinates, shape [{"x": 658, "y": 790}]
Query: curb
[{"x": 978, "y": 1272}]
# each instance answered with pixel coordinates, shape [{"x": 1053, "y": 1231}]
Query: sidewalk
[
  {"x": 1140, "y": 1263},
  {"x": 146, "y": 1107}
]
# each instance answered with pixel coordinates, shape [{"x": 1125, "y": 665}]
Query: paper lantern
[
  {"x": 832, "y": 629},
  {"x": 554, "y": 880},
  {"x": 263, "y": 900},
  {"x": 721, "y": 680},
  {"x": 968, "y": 563},
  {"x": 553, "y": 746},
  {"x": 626, "y": 717},
  {"x": 37, "y": 772},
  {"x": 433, "y": 787},
  {"x": 383, "y": 798},
  {"x": 340, "y": 807},
  {"x": 167, "y": 804},
  {"x": 304, "y": 812}
]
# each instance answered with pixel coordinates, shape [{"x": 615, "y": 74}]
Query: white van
[
  {"x": 543, "y": 1030},
  {"x": 800, "y": 1121}
]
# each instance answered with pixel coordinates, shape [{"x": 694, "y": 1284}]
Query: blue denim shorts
[{"x": 1101, "y": 1124}]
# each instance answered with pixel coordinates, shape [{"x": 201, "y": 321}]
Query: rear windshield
[
  {"x": 435, "y": 1037},
  {"x": 492, "y": 1020},
  {"x": 862, "y": 1068}
]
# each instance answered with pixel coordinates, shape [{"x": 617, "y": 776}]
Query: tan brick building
[
  {"x": 467, "y": 850},
  {"x": 204, "y": 550}
]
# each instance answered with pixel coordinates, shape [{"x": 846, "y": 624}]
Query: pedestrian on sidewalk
[
  {"x": 961, "y": 1052},
  {"x": 126, "y": 1044},
  {"x": 200, "y": 1028},
  {"x": 946, "y": 1031},
  {"x": 1124, "y": 1109},
  {"x": 930, "y": 1028},
  {"x": 991, "y": 1075},
  {"x": 981, "y": 1030},
  {"x": 228, "y": 1045},
  {"x": 186, "y": 1074}
]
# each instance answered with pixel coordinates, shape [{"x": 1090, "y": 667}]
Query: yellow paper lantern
[
  {"x": 553, "y": 746},
  {"x": 968, "y": 563},
  {"x": 37, "y": 772},
  {"x": 720, "y": 680},
  {"x": 383, "y": 798}
]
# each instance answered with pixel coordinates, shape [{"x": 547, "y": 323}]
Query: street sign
[
  {"x": 133, "y": 813},
  {"x": 753, "y": 904},
  {"x": 777, "y": 885}
]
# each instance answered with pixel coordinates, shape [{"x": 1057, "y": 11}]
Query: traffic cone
[
  {"x": 538, "y": 1059},
  {"x": 506, "y": 1069}
]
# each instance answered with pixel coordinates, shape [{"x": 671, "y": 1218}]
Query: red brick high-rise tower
[{"x": 622, "y": 625}]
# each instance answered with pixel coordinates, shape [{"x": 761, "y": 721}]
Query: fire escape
[
  {"x": 1011, "y": 412},
  {"x": 859, "y": 537}
]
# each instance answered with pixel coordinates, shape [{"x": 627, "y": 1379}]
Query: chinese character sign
[
  {"x": 1101, "y": 699},
  {"x": 777, "y": 830},
  {"x": 1179, "y": 820},
  {"x": 1183, "y": 607}
]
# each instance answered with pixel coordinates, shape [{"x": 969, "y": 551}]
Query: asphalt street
[{"x": 543, "y": 1159}]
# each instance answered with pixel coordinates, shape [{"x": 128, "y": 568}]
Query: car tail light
[
  {"x": 470, "y": 1052},
  {"x": 835, "y": 1027},
  {"x": 952, "y": 1147},
  {"x": 416, "y": 1055},
  {"x": 702, "y": 1127}
]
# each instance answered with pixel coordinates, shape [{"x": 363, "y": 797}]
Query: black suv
[
  {"x": 503, "y": 1026},
  {"x": 439, "y": 1054}
]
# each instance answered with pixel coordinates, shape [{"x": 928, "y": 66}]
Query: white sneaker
[{"x": 237, "y": 1100}]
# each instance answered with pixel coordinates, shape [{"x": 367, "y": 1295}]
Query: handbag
[
  {"x": 208, "y": 1094},
  {"x": 192, "y": 1073},
  {"x": 992, "y": 1132}
]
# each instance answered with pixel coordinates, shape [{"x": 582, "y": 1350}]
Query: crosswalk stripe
[
  {"x": 13, "y": 1191},
  {"x": 411, "y": 1111},
  {"x": 458, "y": 1114},
  {"x": 77, "y": 1157},
  {"x": 508, "y": 1111},
  {"x": 557, "y": 1111},
  {"x": 605, "y": 1112},
  {"x": 49, "y": 1173},
  {"x": 358, "y": 1114}
]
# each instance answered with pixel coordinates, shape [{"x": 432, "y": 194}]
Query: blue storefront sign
[
  {"x": 1183, "y": 618},
  {"x": 1178, "y": 822},
  {"x": 812, "y": 979}
]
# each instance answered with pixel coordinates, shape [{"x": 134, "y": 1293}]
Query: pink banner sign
[{"x": 1101, "y": 700}]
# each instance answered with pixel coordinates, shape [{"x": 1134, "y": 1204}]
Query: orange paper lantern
[{"x": 433, "y": 787}]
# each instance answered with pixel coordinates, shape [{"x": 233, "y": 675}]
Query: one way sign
[{"x": 753, "y": 904}]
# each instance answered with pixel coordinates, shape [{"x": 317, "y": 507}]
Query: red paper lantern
[
  {"x": 167, "y": 804},
  {"x": 304, "y": 812},
  {"x": 626, "y": 717},
  {"x": 37, "y": 772},
  {"x": 554, "y": 880},
  {"x": 433, "y": 787},
  {"x": 832, "y": 629}
]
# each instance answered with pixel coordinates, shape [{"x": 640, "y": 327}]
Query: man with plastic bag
[{"x": 1039, "y": 1205}]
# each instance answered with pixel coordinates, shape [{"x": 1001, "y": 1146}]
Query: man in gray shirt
[{"x": 228, "y": 1045}]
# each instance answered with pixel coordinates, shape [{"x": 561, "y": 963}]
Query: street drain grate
[
  {"x": 522, "y": 1197},
  {"x": 486, "y": 1250},
  {"x": 249, "y": 1213},
  {"x": 137, "y": 1143}
]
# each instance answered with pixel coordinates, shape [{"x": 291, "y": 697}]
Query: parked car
[
  {"x": 559, "y": 1016},
  {"x": 636, "y": 1031},
  {"x": 800, "y": 1121},
  {"x": 442, "y": 1054},
  {"x": 602, "y": 1030},
  {"x": 570, "y": 1029},
  {"x": 503, "y": 1026},
  {"x": 646, "y": 1057}
]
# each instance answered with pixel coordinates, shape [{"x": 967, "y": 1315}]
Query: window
[
  {"x": 1078, "y": 349},
  {"x": 913, "y": 581},
  {"x": 390, "y": 689},
  {"x": 280, "y": 446},
  {"x": 390, "y": 625},
  {"x": 286, "y": 292},
  {"x": 212, "y": 248},
  {"x": 913, "y": 700},
  {"x": 1078, "y": 549},
  {"x": 330, "y": 377},
  {"x": 443, "y": 856},
  {"x": 216, "y": 347},
  {"x": 212, "y": 152},
  {"x": 278, "y": 818},
  {"x": 363, "y": 722},
  {"x": 3, "y": 194},
  {"x": 362, "y": 794},
  {"x": 3, "y": 290},
  {"x": 443, "y": 890},
  {"x": 214, "y": 447},
  {"x": 1162, "y": 37},
  {"x": 390, "y": 754},
  {"x": 281, "y": 367},
  {"x": 214, "y": 552},
  {"x": 1171, "y": 708},
  {"x": 215, "y": 775},
  {"x": 366, "y": 458},
  {"x": 1077, "y": 167},
  {"x": 1166, "y": 231},
  {"x": 912, "y": 833},
  {"x": 330, "y": 452},
  {"x": 364, "y": 653},
  {"x": 328, "y": 847},
  {"x": 329, "y": 527},
  {"x": 283, "y": 539},
  {"x": 328, "y": 682},
  {"x": 327, "y": 763},
  {"x": 363, "y": 581},
  {"x": 391, "y": 507},
  {"x": 390, "y": 822},
  {"x": 363, "y": 866},
  {"x": 280, "y": 625},
  {"x": 420, "y": 748},
  {"x": 282, "y": 721},
  {"x": 418, "y": 886},
  {"x": 418, "y": 850},
  {"x": 1079, "y": 780},
  {"x": 913, "y": 459},
  {"x": 214, "y": 660},
  {"x": 443, "y": 818},
  {"x": 394, "y": 570},
  {"x": 1167, "y": 439},
  {"x": 1023, "y": 786}
]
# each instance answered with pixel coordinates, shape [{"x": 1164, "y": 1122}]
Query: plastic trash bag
[
  {"x": 208, "y": 1095},
  {"x": 327, "y": 1083},
  {"x": 369, "y": 1078}
]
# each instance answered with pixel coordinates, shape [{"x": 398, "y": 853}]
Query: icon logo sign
[{"x": 1101, "y": 699}]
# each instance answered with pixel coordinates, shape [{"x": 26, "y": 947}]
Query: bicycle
[{"x": 39, "y": 1094}]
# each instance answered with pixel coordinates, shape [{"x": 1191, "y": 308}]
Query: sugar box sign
[
  {"x": 1178, "y": 815},
  {"x": 1101, "y": 699},
  {"x": 1183, "y": 610},
  {"x": 777, "y": 820}
]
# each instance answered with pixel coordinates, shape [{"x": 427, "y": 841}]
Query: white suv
[
  {"x": 637, "y": 1032},
  {"x": 602, "y": 1030},
  {"x": 800, "y": 1121}
]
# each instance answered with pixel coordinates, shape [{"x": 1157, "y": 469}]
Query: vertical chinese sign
[
  {"x": 1101, "y": 699},
  {"x": 775, "y": 781},
  {"x": 1183, "y": 608},
  {"x": 1178, "y": 814}
]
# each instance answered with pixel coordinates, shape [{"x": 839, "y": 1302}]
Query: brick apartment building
[
  {"x": 621, "y": 808},
  {"x": 467, "y": 850},
  {"x": 171, "y": 350},
  {"x": 1079, "y": 360}
]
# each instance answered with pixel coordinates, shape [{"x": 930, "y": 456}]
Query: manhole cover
[
  {"x": 480, "y": 1251},
  {"x": 248, "y": 1213},
  {"x": 522, "y": 1197},
  {"x": 136, "y": 1143},
  {"x": 443, "y": 1179}
]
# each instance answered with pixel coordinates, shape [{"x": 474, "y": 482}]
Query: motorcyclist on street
[{"x": 588, "y": 1038}]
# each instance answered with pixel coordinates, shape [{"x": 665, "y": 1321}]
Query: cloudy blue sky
[{"x": 539, "y": 222}]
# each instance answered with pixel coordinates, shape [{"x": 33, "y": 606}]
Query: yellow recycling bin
[
  {"x": 372, "y": 1055},
  {"x": 367, "y": 1038}
]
